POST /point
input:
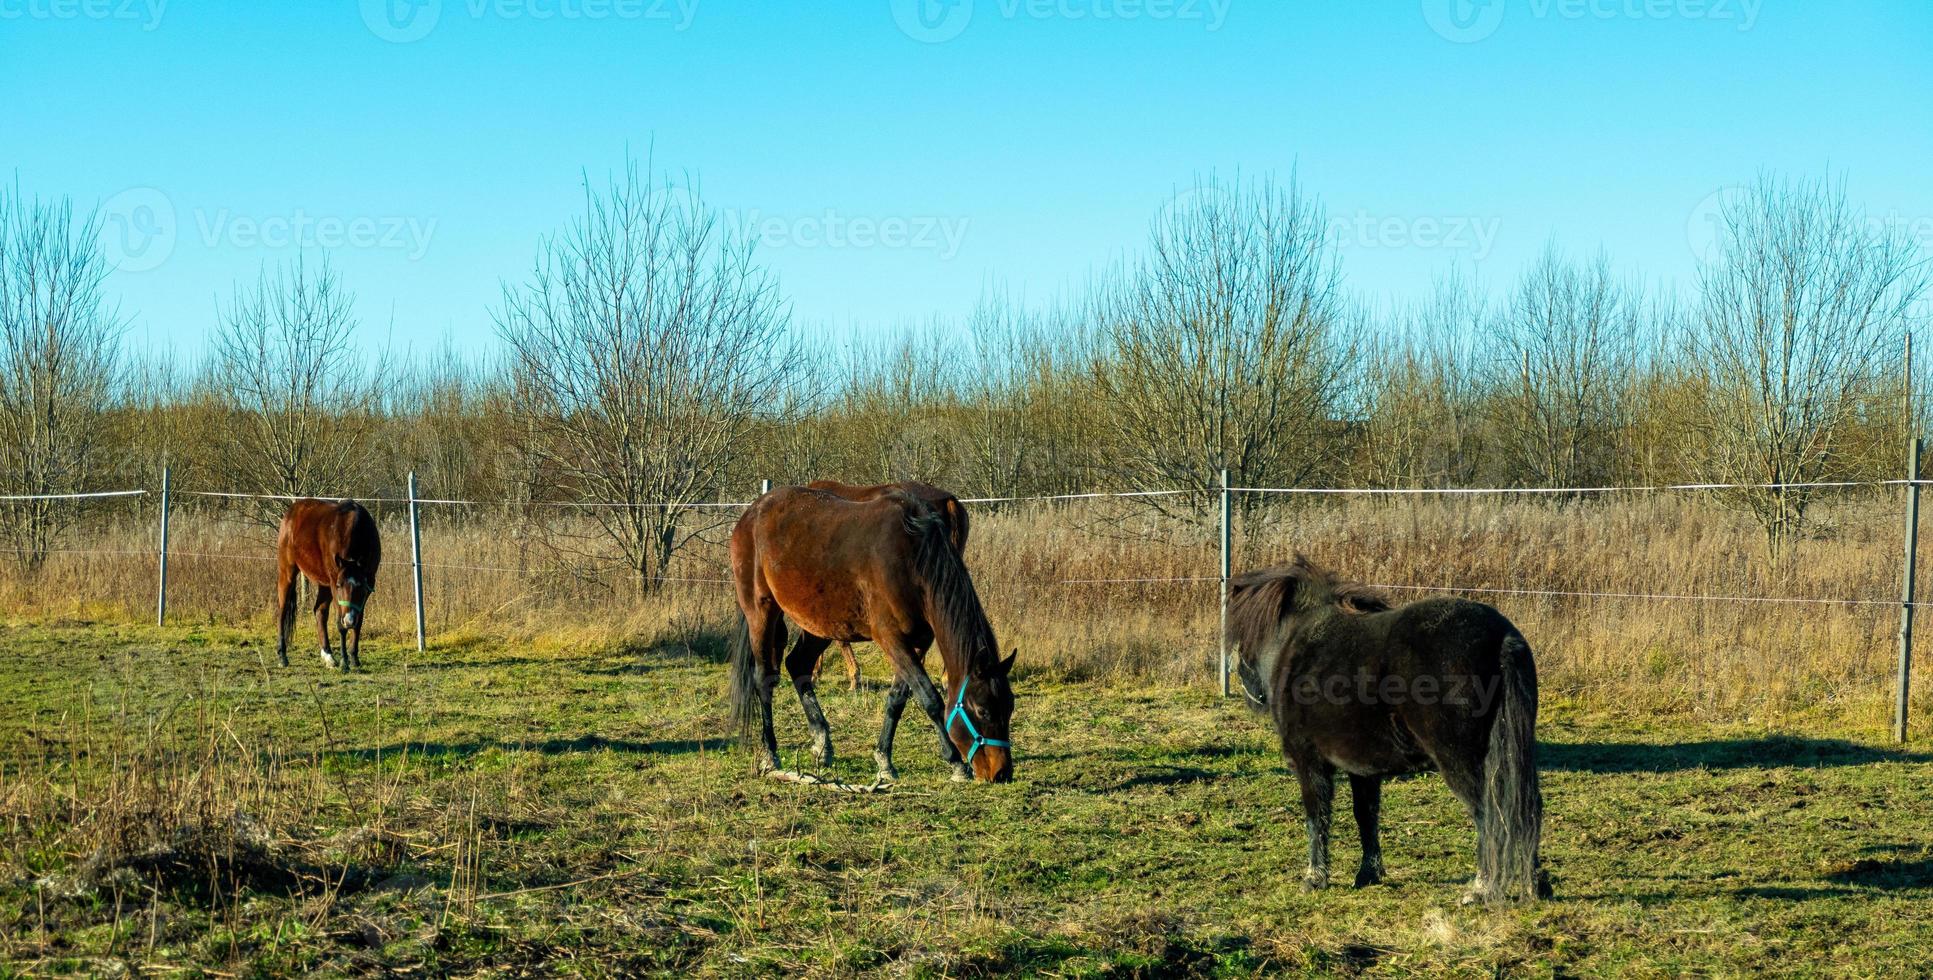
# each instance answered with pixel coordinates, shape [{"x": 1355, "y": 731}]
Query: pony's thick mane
[
  {"x": 1261, "y": 599},
  {"x": 960, "y": 626}
]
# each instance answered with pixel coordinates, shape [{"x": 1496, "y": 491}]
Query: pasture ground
[{"x": 168, "y": 804}]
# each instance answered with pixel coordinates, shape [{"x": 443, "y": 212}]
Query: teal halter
[
  {"x": 979, "y": 741},
  {"x": 346, "y": 604}
]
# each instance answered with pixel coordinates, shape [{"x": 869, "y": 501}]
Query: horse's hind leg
[
  {"x": 1318, "y": 780},
  {"x": 286, "y": 591},
  {"x": 1366, "y": 795},
  {"x": 323, "y": 596},
  {"x": 895, "y": 706},
  {"x": 802, "y": 664},
  {"x": 1466, "y": 782},
  {"x": 767, "y": 627}
]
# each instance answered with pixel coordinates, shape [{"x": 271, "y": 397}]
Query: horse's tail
[
  {"x": 744, "y": 684},
  {"x": 1513, "y": 806}
]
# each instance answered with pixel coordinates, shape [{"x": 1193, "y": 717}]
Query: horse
[
  {"x": 883, "y": 570},
  {"x": 943, "y": 503},
  {"x": 1377, "y": 691},
  {"x": 335, "y": 544}
]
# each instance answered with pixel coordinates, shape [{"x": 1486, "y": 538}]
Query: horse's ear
[{"x": 1006, "y": 666}]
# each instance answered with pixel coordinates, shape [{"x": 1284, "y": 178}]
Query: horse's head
[
  {"x": 1265, "y": 606},
  {"x": 354, "y": 583},
  {"x": 980, "y": 718}
]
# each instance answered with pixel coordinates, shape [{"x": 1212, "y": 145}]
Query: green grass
[{"x": 558, "y": 809}]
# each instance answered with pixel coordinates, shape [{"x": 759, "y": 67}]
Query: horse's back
[
  {"x": 945, "y": 503},
  {"x": 314, "y": 530},
  {"x": 1393, "y": 691},
  {"x": 826, "y": 559}
]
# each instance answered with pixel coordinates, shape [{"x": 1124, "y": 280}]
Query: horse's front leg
[
  {"x": 1366, "y": 796},
  {"x": 352, "y": 646},
  {"x": 323, "y": 597},
  {"x": 895, "y": 706},
  {"x": 935, "y": 705},
  {"x": 1318, "y": 800}
]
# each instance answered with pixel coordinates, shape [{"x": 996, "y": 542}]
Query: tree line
[{"x": 648, "y": 359}]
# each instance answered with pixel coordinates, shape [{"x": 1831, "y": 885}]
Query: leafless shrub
[
  {"x": 1802, "y": 314},
  {"x": 60, "y": 360},
  {"x": 1223, "y": 344},
  {"x": 645, "y": 348},
  {"x": 294, "y": 386}
]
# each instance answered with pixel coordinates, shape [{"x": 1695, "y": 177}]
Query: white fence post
[
  {"x": 416, "y": 560},
  {"x": 764, "y": 487},
  {"x": 1225, "y": 573},
  {"x": 161, "y": 589}
]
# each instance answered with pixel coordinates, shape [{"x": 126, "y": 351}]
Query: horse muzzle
[{"x": 993, "y": 764}]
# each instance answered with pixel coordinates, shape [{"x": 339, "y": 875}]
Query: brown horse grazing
[
  {"x": 1375, "y": 691},
  {"x": 945, "y": 504},
  {"x": 335, "y": 544},
  {"x": 882, "y": 570}
]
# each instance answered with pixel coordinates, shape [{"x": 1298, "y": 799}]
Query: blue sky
[{"x": 899, "y": 158}]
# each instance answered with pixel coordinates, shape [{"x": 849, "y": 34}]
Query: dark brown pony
[
  {"x": 882, "y": 570},
  {"x": 945, "y": 504},
  {"x": 1375, "y": 691},
  {"x": 335, "y": 544}
]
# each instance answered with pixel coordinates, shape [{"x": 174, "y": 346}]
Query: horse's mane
[
  {"x": 1260, "y": 600},
  {"x": 960, "y": 627}
]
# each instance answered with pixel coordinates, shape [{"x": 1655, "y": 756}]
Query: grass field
[{"x": 168, "y": 804}]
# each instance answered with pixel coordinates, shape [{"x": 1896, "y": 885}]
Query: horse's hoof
[
  {"x": 1369, "y": 876},
  {"x": 328, "y": 661},
  {"x": 822, "y": 752},
  {"x": 1315, "y": 881},
  {"x": 962, "y": 774}
]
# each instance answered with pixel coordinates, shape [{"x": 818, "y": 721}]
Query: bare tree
[
  {"x": 1224, "y": 345},
  {"x": 1804, "y": 309},
  {"x": 1568, "y": 335},
  {"x": 644, "y": 349},
  {"x": 60, "y": 359},
  {"x": 287, "y": 373},
  {"x": 1426, "y": 392}
]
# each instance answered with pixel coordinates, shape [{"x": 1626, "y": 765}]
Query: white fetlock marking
[{"x": 327, "y": 660}]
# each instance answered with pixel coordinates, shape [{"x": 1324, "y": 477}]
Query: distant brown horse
[
  {"x": 882, "y": 570},
  {"x": 945, "y": 504},
  {"x": 335, "y": 544}
]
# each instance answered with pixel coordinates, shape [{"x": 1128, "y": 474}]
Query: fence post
[
  {"x": 416, "y": 560},
  {"x": 161, "y": 590},
  {"x": 764, "y": 487},
  {"x": 1225, "y": 572},
  {"x": 1912, "y": 554}
]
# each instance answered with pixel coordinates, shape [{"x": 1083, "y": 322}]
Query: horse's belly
[{"x": 829, "y": 609}]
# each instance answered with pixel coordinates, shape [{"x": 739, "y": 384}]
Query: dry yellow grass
[{"x": 1038, "y": 566}]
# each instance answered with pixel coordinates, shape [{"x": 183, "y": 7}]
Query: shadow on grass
[
  {"x": 1171, "y": 776},
  {"x": 554, "y": 746},
  {"x": 1776, "y": 751}
]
